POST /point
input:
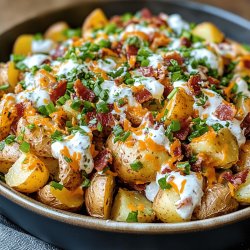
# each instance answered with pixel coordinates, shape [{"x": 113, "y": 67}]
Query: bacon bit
[
  {"x": 83, "y": 92},
  {"x": 158, "y": 21},
  {"x": 103, "y": 159},
  {"x": 146, "y": 13},
  {"x": 58, "y": 90},
  {"x": 186, "y": 42},
  {"x": 175, "y": 149},
  {"x": 197, "y": 166},
  {"x": 143, "y": 96},
  {"x": 193, "y": 84},
  {"x": 146, "y": 71},
  {"x": 160, "y": 74},
  {"x": 184, "y": 202},
  {"x": 132, "y": 50},
  {"x": 246, "y": 125},
  {"x": 225, "y": 111},
  {"x": 246, "y": 63},
  {"x": 184, "y": 131},
  {"x": 238, "y": 178},
  {"x": 159, "y": 40},
  {"x": 166, "y": 170},
  {"x": 213, "y": 80},
  {"x": 105, "y": 119},
  {"x": 167, "y": 90},
  {"x": 20, "y": 109},
  {"x": 117, "y": 47},
  {"x": 174, "y": 56}
]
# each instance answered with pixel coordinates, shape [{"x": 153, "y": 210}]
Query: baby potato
[
  {"x": 164, "y": 206},
  {"x": 99, "y": 195},
  {"x": 52, "y": 165},
  {"x": 124, "y": 156},
  {"x": 10, "y": 152},
  {"x": 244, "y": 158},
  {"x": 28, "y": 174},
  {"x": 61, "y": 199},
  {"x": 216, "y": 201},
  {"x": 13, "y": 75},
  {"x": 221, "y": 148},
  {"x": 242, "y": 193},
  {"x": 55, "y": 32},
  {"x": 127, "y": 202},
  {"x": 209, "y": 32},
  {"x": 5, "y": 166},
  {"x": 96, "y": 19},
  {"x": 180, "y": 107},
  {"x": 38, "y": 137},
  {"x": 23, "y": 45}
]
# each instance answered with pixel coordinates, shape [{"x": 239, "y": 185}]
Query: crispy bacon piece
[
  {"x": 146, "y": 13},
  {"x": 105, "y": 119},
  {"x": 103, "y": 159},
  {"x": 186, "y": 42},
  {"x": 117, "y": 47},
  {"x": 197, "y": 166},
  {"x": 246, "y": 63},
  {"x": 238, "y": 178},
  {"x": 138, "y": 187},
  {"x": 132, "y": 50},
  {"x": 246, "y": 125},
  {"x": 83, "y": 92},
  {"x": 58, "y": 90},
  {"x": 143, "y": 95},
  {"x": 20, "y": 108},
  {"x": 147, "y": 71},
  {"x": 167, "y": 90},
  {"x": 225, "y": 111},
  {"x": 193, "y": 84},
  {"x": 212, "y": 80},
  {"x": 175, "y": 56},
  {"x": 184, "y": 131}
]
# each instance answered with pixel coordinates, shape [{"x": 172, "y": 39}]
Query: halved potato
[
  {"x": 28, "y": 174},
  {"x": 180, "y": 107},
  {"x": 127, "y": 202},
  {"x": 5, "y": 166},
  {"x": 124, "y": 156},
  {"x": 244, "y": 159},
  {"x": 221, "y": 148},
  {"x": 96, "y": 19},
  {"x": 216, "y": 201},
  {"x": 23, "y": 45},
  {"x": 13, "y": 75},
  {"x": 10, "y": 153},
  {"x": 209, "y": 32},
  {"x": 242, "y": 193},
  {"x": 55, "y": 32},
  {"x": 164, "y": 206},
  {"x": 99, "y": 195},
  {"x": 61, "y": 199},
  {"x": 52, "y": 165}
]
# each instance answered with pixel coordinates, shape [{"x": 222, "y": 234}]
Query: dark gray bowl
[{"x": 73, "y": 231}]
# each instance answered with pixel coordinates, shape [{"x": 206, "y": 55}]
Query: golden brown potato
[
  {"x": 5, "y": 166},
  {"x": 220, "y": 148},
  {"x": 28, "y": 174},
  {"x": 96, "y": 19},
  {"x": 10, "y": 153},
  {"x": 99, "y": 195},
  {"x": 52, "y": 165},
  {"x": 241, "y": 67},
  {"x": 244, "y": 158},
  {"x": 61, "y": 199},
  {"x": 180, "y": 107},
  {"x": 8, "y": 114},
  {"x": 13, "y": 76},
  {"x": 38, "y": 137},
  {"x": 55, "y": 32},
  {"x": 124, "y": 156},
  {"x": 216, "y": 201},
  {"x": 242, "y": 193},
  {"x": 209, "y": 32},
  {"x": 127, "y": 202},
  {"x": 164, "y": 206},
  {"x": 3, "y": 77},
  {"x": 23, "y": 45}
]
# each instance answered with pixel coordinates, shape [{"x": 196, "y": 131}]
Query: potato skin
[
  {"x": 5, "y": 166},
  {"x": 55, "y": 32},
  {"x": 123, "y": 156},
  {"x": 22, "y": 45},
  {"x": 99, "y": 195},
  {"x": 244, "y": 158},
  {"x": 220, "y": 148},
  {"x": 10, "y": 153},
  {"x": 242, "y": 193},
  {"x": 164, "y": 206},
  {"x": 128, "y": 201},
  {"x": 28, "y": 174},
  {"x": 61, "y": 199},
  {"x": 216, "y": 201}
]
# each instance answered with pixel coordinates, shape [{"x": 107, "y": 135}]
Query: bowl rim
[{"x": 124, "y": 227}]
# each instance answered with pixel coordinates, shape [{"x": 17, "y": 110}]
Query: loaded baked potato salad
[{"x": 139, "y": 118}]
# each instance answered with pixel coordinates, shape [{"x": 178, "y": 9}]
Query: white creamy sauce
[
  {"x": 151, "y": 191},
  {"x": 106, "y": 65},
  {"x": 155, "y": 60},
  {"x": 175, "y": 44},
  {"x": 42, "y": 46},
  {"x": 152, "y": 85},
  {"x": 66, "y": 67},
  {"x": 242, "y": 87},
  {"x": 35, "y": 60},
  {"x": 37, "y": 96},
  {"x": 138, "y": 27},
  {"x": 214, "y": 101},
  {"x": 78, "y": 144},
  {"x": 177, "y": 24},
  {"x": 224, "y": 49}
]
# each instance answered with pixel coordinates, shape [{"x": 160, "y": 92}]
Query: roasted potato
[
  {"x": 164, "y": 206},
  {"x": 209, "y": 32},
  {"x": 38, "y": 137},
  {"x": 55, "y": 32},
  {"x": 132, "y": 201},
  {"x": 99, "y": 195},
  {"x": 216, "y": 201},
  {"x": 23, "y": 45},
  {"x": 10, "y": 152},
  {"x": 96, "y": 19},
  {"x": 124, "y": 156},
  {"x": 52, "y": 165},
  {"x": 242, "y": 66},
  {"x": 242, "y": 193},
  {"x": 180, "y": 107},
  {"x": 221, "y": 148},
  {"x": 244, "y": 157},
  {"x": 61, "y": 199},
  {"x": 28, "y": 174},
  {"x": 5, "y": 166}
]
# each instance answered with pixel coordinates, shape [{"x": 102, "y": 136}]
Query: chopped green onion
[
  {"x": 57, "y": 136},
  {"x": 217, "y": 127},
  {"x": 46, "y": 67},
  {"x": 56, "y": 185},
  {"x": 99, "y": 127},
  {"x": 67, "y": 159},
  {"x": 24, "y": 147},
  {"x": 184, "y": 166},
  {"x": 4, "y": 86},
  {"x": 132, "y": 217},
  {"x": 102, "y": 107},
  {"x": 2, "y": 145},
  {"x": 31, "y": 126},
  {"x": 175, "y": 125},
  {"x": 76, "y": 104},
  {"x": 136, "y": 166},
  {"x": 145, "y": 63},
  {"x": 86, "y": 183},
  {"x": 10, "y": 139},
  {"x": 164, "y": 184},
  {"x": 172, "y": 93}
]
